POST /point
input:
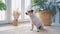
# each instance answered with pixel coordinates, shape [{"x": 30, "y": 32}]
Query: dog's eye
[{"x": 31, "y": 10}]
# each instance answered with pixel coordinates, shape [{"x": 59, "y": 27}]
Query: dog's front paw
[{"x": 37, "y": 31}]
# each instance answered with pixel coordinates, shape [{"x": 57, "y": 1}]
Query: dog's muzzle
[{"x": 26, "y": 13}]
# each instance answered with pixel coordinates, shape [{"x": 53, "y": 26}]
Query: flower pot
[
  {"x": 46, "y": 17},
  {"x": 15, "y": 22}
]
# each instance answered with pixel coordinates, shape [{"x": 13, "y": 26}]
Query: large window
[{"x": 22, "y": 6}]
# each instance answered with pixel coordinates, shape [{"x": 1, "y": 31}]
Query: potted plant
[
  {"x": 44, "y": 9},
  {"x": 2, "y": 5}
]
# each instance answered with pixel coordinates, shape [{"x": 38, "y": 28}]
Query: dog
[{"x": 35, "y": 20}]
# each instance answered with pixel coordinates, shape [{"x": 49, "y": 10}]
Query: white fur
[{"x": 35, "y": 20}]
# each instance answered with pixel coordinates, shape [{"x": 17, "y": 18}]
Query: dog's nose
[{"x": 26, "y": 13}]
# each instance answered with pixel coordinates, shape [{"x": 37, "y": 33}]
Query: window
[
  {"x": 27, "y": 6},
  {"x": 2, "y": 14},
  {"x": 16, "y": 4},
  {"x": 22, "y": 5}
]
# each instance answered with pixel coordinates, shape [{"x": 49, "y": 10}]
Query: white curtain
[
  {"x": 22, "y": 5},
  {"x": 27, "y": 6},
  {"x": 16, "y": 4}
]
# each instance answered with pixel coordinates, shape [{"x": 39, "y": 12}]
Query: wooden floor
[{"x": 25, "y": 29}]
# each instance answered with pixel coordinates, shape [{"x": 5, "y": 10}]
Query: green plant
[
  {"x": 2, "y": 5},
  {"x": 40, "y": 3},
  {"x": 43, "y": 5},
  {"x": 52, "y": 8}
]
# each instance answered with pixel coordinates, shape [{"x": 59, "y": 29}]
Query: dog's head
[{"x": 29, "y": 12}]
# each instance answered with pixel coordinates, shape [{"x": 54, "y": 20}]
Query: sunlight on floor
[{"x": 25, "y": 29}]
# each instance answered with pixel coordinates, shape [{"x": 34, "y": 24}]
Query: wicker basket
[{"x": 46, "y": 17}]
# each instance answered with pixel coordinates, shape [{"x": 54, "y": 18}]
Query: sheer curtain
[
  {"x": 22, "y": 5},
  {"x": 16, "y": 4},
  {"x": 27, "y": 7}
]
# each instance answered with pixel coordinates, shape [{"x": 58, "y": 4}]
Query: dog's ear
[{"x": 32, "y": 11}]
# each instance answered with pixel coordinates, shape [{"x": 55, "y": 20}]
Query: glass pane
[
  {"x": 2, "y": 14},
  {"x": 16, "y": 4}
]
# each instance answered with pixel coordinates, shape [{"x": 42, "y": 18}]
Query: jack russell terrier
[{"x": 35, "y": 20}]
